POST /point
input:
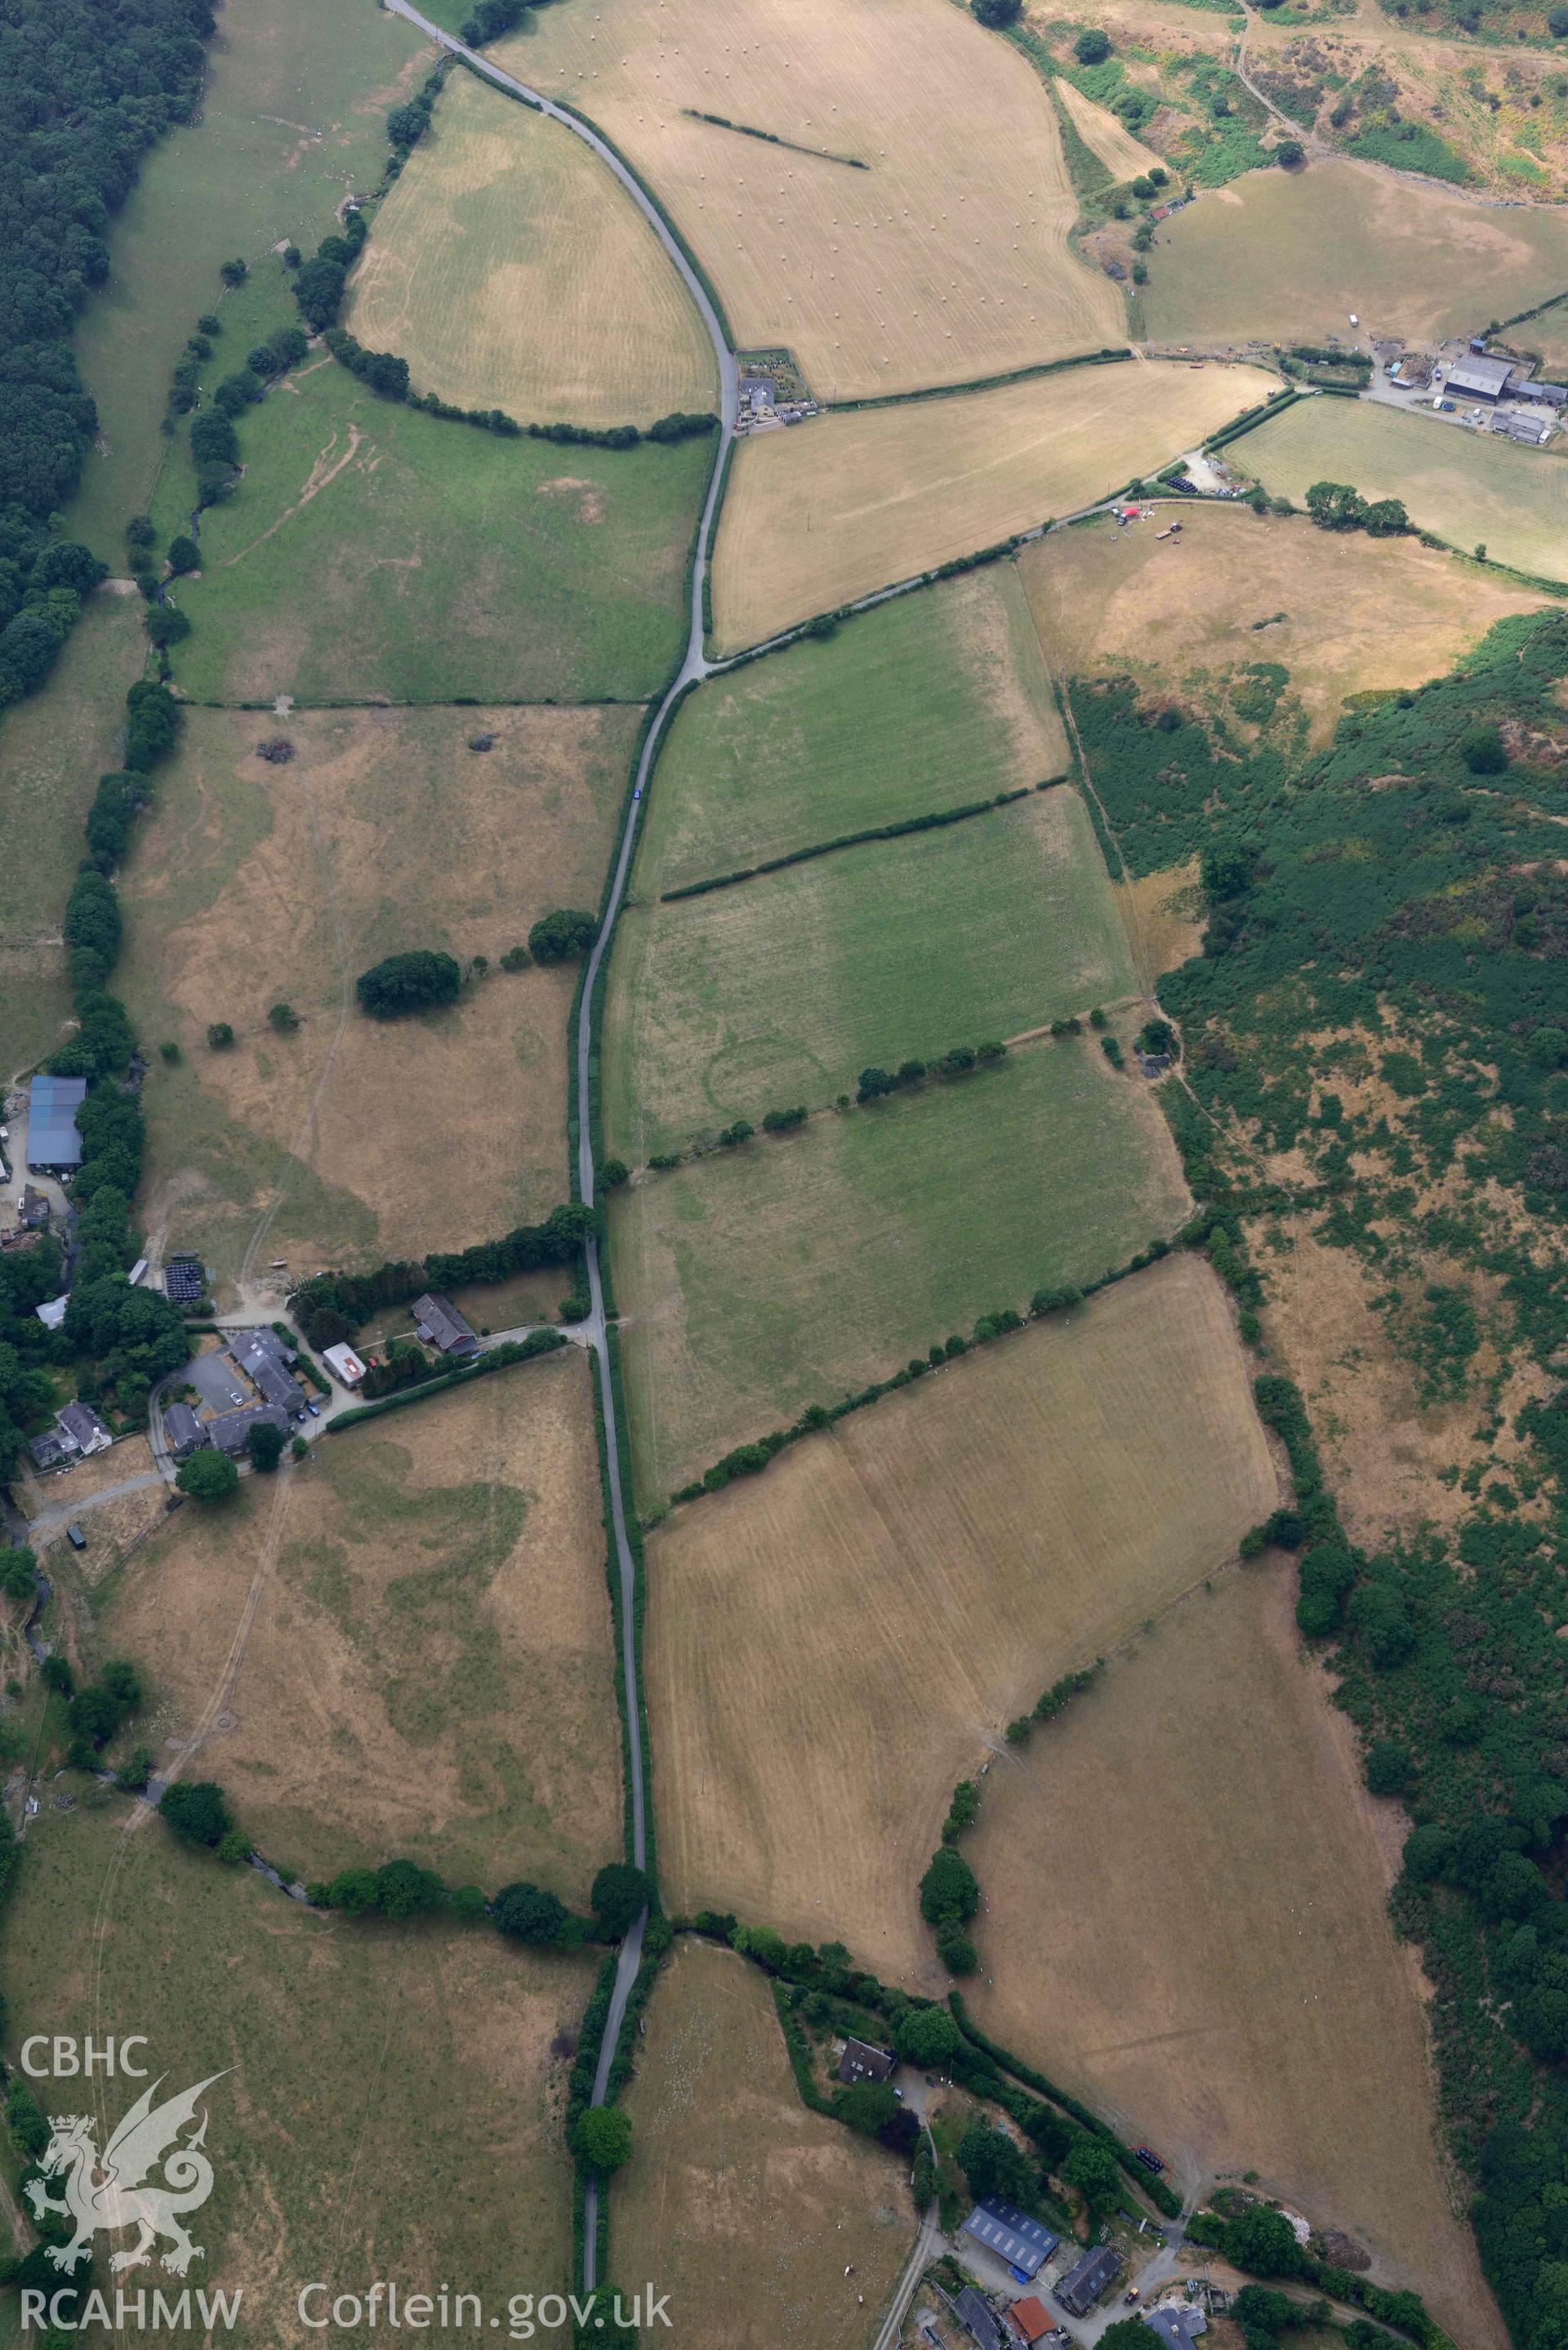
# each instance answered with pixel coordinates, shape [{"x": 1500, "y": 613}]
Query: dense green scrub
[
  {"x": 85, "y": 87},
  {"x": 1384, "y": 993}
]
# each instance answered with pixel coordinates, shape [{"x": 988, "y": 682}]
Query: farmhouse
[
  {"x": 183, "y": 1431},
  {"x": 231, "y": 1430},
  {"x": 1177, "y": 2324},
  {"x": 861, "y": 2062},
  {"x": 1088, "y": 2278},
  {"x": 440, "y": 1324},
  {"x": 344, "y": 1364},
  {"x": 1525, "y": 429},
  {"x": 82, "y": 1428},
  {"x": 54, "y": 1143},
  {"x": 1480, "y": 378},
  {"x": 1011, "y": 2235},
  {"x": 974, "y": 2313},
  {"x": 260, "y": 1355},
  {"x": 1029, "y": 2321}
]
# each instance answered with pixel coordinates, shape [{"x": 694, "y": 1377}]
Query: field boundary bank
[
  {"x": 1109, "y": 355},
  {"x": 298, "y": 707},
  {"x": 932, "y": 822}
]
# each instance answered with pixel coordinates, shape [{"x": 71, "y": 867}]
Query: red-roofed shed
[{"x": 1030, "y": 2320}]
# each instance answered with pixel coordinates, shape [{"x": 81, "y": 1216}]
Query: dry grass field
[
  {"x": 1231, "y": 1989},
  {"x": 1466, "y": 486},
  {"x": 781, "y": 990},
  {"x": 1406, "y": 259},
  {"x": 367, "y": 2067},
  {"x": 756, "y": 1281},
  {"x": 848, "y": 504},
  {"x": 1105, "y": 134},
  {"x": 428, "y": 1671},
  {"x": 932, "y": 700},
  {"x": 841, "y": 1638},
  {"x": 511, "y": 270},
  {"x": 944, "y": 260},
  {"x": 748, "y": 2208},
  {"x": 1346, "y": 614},
  {"x": 254, "y": 884}
]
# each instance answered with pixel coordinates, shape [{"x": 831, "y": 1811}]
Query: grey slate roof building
[
  {"x": 440, "y": 1324},
  {"x": 1175, "y": 2327},
  {"x": 975, "y": 2315},
  {"x": 84, "y": 1429},
  {"x": 1478, "y": 378},
  {"x": 52, "y": 1106},
  {"x": 259, "y": 1355},
  {"x": 1022, "y": 2242},
  {"x": 49, "y": 1450},
  {"x": 183, "y": 1431},
  {"x": 231, "y": 1430},
  {"x": 1085, "y": 2283},
  {"x": 861, "y": 2062}
]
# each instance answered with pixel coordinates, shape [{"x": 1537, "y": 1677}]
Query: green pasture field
[
  {"x": 935, "y": 699},
  {"x": 293, "y": 116},
  {"x": 372, "y": 550},
  {"x": 781, "y": 990},
  {"x": 761, "y": 1280},
  {"x": 367, "y": 2065},
  {"x": 1407, "y": 260},
  {"x": 53, "y": 748},
  {"x": 1466, "y": 486}
]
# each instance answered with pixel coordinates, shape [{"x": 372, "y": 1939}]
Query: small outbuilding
[
  {"x": 183, "y": 1431},
  {"x": 54, "y": 1141},
  {"x": 1011, "y": 2235},
  {"x": 52, "y": 1311},
  {"x": 50, "y": 1452},
  {"x": 344, "y": 1365},
  {"x": 1029, "y": 2321},
  {"x": 1088, "y": 2278},
  {"x": 861, "y": 2062},
  {"x": 83, "y": 1430},
  {"x": 441, "y": 1324}
]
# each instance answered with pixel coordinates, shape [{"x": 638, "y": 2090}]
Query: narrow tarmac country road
[{"x": 693, "y": 666}]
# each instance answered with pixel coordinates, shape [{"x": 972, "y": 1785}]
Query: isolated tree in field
[
  {"x": 560, "y": 936},
  {"x": 955, "y": 1949},
  {"x": 414, "y": 982},
  {"x": 528, "y": 1914},
  {"x": 1092, "y": 48},
  {"x": 283, "y": 1018},
  {"x": 208, "y": 1477},
  {"x": 219, "y": 1036},
  {"x": 265, "y": 1444},
  {"x": 1290, "y": 154},
  {"x": 601, "y": 2139},
  {"x": 993, "y": 2164},
  {"x": 234, "y": 272},
  {"x": 196, "y": 1810},
  {"x": 184, "y": 554},
  {"x": 620, "y": 1894}
]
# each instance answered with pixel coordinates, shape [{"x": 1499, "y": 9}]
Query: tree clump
[
  {"x": 561, "y": 936},
  {"x": 414, "y": 982}
]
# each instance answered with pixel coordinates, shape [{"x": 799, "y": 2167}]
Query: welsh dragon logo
[{"x": 113, "y": 2193}]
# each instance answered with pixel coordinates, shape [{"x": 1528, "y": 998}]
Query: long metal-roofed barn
[
  {"x": 1022, "y": 2242},
  {"x": 53, "y": 1137},
  {"x": 1480, "y": 378}
]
